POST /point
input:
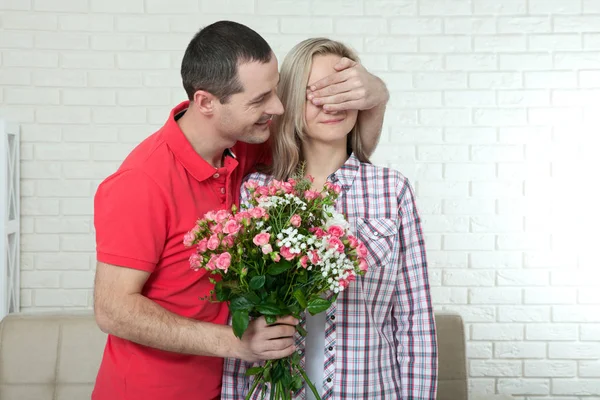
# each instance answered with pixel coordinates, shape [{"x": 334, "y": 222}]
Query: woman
[{"x": 378, "y": 339}]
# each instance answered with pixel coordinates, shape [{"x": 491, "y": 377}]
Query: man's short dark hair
[{"x": 212, "y": 56}]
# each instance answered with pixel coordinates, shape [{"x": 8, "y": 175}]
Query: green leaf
[
  {"x": 223, "y": 294},
  {"x": 299, "y": 296},
  {"x": 271, "y": 319},
  {"x": 318, "y": 305},
  {"x": 277, "y": 372},
  {"x": 302, "y": 276},
  {"x": 295, "y": 358},
  {"x": 253, "y": 298},
  {"x": 257, "y": 282},
  {"x": 240, "y": 322},
  {"x": 268, "y": 309},
  {"x": 280, "y": 267},
  {"x": 296, "y": 383},
  {"x": 240, "y": 304},
  {"x": 301, "y": 330},
  {"x": 253, "y": 371}
]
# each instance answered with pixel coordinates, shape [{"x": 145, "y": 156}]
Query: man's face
[{"x": 246, "y": 117}]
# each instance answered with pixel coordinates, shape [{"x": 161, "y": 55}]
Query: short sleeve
[{"x": 131, "y": 221}]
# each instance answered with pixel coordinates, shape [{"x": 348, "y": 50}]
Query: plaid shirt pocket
[{"x": 380, "y": 236}]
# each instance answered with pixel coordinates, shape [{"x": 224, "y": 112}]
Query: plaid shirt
[{"x": 380, "y": 339}]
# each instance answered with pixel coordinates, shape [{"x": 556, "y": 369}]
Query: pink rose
[
  {"x": 311, "y": 194},
  {"x": 262, "y": 191},
  {"x": 304, "y": 261},
  {"x": 242, "y": 217},
  {"x": 333, "y": 187},
  {"x": 362, "y": 264},
  {"x": 336, "y": 231},
  {"x": 195, "y": 261},
  {"x": 216, "y": 228},
  {"x": 222, "y": 216},
  {"x": 213, "y": 242},
  {"x": 203, "y": 245},
  {"x": 344, "y": 283},
  {"x": 335, "y": 243},
  {"x": 232, "y": 227},
  {"x": 210, "y": 216},
  {"x": 314, "y": 257},
  {"x": 286, "y": 253},
  {"x": 229, "y": 241},
  {"x": 296, "y": 220},
  {"x": 267, "y": 248},
  {"x": 224, "y": 261},
  {"x": 361, "y": 250},
  {"x": 287, "y": 187},
  {"x": 318, "y": 232},
  {"x": 188, "y": 239},
  {"x": 257, "y": 212},
  {"x": 212, "y": 263},
  {"x": 261, "y": 239},
  {"x": 251, "y": 185},
  {"x": 353, "y": 241},
  {"x": 275, "y": 257}
]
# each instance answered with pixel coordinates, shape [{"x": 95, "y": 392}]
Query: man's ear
[{"x": 205, "y": 102}]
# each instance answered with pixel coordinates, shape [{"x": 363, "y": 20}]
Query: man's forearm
[
  {"x": 140, "y": 320},
  {"x": 371, "y": 124}
]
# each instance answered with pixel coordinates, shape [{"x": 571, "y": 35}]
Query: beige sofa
[{"x": 56, "y": 356}]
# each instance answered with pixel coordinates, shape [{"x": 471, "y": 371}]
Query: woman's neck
[{"x": 322, "y": 160}]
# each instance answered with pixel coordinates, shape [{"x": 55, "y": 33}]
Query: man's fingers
[
  {"x": 288, "y": 319},
  {"x": 335, "y": 88},
  {"x": 344, "y": 63},
  {"x": 336, "y": 77},
  {"x": 277, "y": 354},
  {"x": 279, "y": 331},
  {"x": 348, "y": 105},
  {"x": 338, "y": 98}
]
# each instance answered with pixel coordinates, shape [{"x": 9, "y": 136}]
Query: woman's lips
[{"x": 332, "y": 121}]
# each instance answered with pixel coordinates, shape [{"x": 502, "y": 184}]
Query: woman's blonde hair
[{"x": 289, "y": 128}]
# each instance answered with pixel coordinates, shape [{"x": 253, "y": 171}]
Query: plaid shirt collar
[{"x": 346, "y": 174}]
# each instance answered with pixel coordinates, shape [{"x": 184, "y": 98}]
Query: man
[{"x": 164, "y": 342}]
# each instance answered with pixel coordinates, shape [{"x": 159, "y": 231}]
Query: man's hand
[
  {"x": 268, "y": 342},
  {"x": 352, "y": 87}
]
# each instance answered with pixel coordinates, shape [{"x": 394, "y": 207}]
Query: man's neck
[{"x": 203, "y": 138}]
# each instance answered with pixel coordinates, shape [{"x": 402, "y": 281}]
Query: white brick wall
[{"x": 493, "y": 115}]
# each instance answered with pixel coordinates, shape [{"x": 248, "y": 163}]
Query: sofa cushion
[{"x": 56, "y": 356}]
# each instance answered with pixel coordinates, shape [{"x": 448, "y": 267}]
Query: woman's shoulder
[{"x": 385, "y": 175}]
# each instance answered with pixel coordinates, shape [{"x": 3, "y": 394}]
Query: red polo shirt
[{"x": 141, "y": 214}]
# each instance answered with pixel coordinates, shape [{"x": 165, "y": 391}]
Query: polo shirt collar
[{"x": 198, "y": 167}]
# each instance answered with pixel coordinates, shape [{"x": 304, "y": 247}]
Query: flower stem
[
  {"x": 254, "y": 384},
  {"x": 308, "y": 382}
]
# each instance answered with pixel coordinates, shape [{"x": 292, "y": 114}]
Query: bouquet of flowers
[{"x": 289, "y": 253}]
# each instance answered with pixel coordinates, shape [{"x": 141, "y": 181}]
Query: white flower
[{"x": 332, "y": 217}]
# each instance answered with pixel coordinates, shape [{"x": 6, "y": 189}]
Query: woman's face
[{"x": 332, "y": 126}]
